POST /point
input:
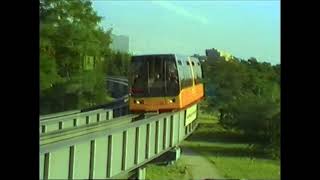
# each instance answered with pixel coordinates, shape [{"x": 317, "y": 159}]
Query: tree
[
  {"x": 48, "y": 73},
  {"x": 118, "y": 64},
  {"x": 274, "y": 135},
  {"x": 247, "y": 95},
  {"x": 226, "y": 78},
  {"x": 70, "y": 31},
  {"x": 251, "y": 114}
]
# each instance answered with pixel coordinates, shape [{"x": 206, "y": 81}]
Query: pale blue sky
[{"x": 242, "y": 28}]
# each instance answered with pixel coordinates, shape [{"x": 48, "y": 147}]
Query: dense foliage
[
  {"x": 246, "y": 93},
  {"x": 75, "y": 56}
]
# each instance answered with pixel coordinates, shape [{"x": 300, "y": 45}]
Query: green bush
[{"x": 247, "y": 95}]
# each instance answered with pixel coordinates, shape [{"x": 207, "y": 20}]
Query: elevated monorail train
[{"x": 164, "y": 82}]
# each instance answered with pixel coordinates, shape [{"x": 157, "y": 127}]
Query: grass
[
  {"x": 170, "y": 172},
  {"x": 236, "y": 161},
  {"x": 244, "y": 167},
  {"x": 230, "y": 152}
]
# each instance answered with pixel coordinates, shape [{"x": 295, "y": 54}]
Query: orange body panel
[
  {"x": 190, "y": 95},
  {"x": 186, "y": 97}
]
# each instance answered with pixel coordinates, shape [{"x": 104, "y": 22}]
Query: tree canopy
[
  {"x": 246, "y": 93},
  {"x": 70, "y": 37}
]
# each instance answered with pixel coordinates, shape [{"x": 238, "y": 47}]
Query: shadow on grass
[
  {"x": 219, "y": 151},
  {"x": 215, "y": 140},
  {"x": 216, "y": 133}
]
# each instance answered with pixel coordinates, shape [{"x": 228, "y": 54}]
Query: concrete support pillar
[
  {"x": 174, "y": 154},
  {"x": 138, "y": 174},
  {"x": 141, "y": 174},
  {"x": 170, "y": 157}
]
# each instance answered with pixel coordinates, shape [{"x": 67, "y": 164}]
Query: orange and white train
[{"x": 164, "y": 82}]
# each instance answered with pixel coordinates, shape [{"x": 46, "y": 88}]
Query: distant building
[
  {"x": 120, "y": 43},
  {"x": 215, "y": 54},
  {"x": 212, "y": 53}
]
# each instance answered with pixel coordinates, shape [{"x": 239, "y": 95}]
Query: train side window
[
  {"x": 198, "y": 69},
  {"x": 183, "y": 78},
  {"x": 181, "y": 75},
  {"x": 180, "y": 72},
  {"x": 172, "y": 81},
  {"x": 186, "y": 80},
  {"x": 190, "y": 78},
  {"x": 195, "y": 72},
  {"x": 188, "y": 63},
  {"x": 192, "y": 63},
  {"x": 199, "y": 73},
  {"x": 186, "y": 77},
  {"x": 185, "y": 73}
]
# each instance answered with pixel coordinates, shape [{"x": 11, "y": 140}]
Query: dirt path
[{"x": 198, "y": 166}]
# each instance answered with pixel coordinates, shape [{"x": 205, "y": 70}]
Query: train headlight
[
  {"x": 172, "y": 100},
  {"x": 138, "y": 101}
]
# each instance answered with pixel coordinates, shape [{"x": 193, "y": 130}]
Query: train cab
[{"x": 164, "y": 82}]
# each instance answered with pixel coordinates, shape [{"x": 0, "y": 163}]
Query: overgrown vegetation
[
  {"x": 75, "y": 56},
  {"x": 246, "y": 95},
  {"x": 231, "y": 152},
  {"x": 171, "y": 172}
]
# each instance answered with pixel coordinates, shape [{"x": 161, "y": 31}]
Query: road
[{"x": 198, "y": 166}]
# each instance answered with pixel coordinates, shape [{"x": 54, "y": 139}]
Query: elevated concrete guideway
[{"x": 96, "y": 145}]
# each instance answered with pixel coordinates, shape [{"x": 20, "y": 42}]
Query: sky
[{"x": 244, "y": 28}]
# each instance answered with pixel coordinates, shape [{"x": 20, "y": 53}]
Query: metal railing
[
  {"x": 75, "y": 118},
  {"x": 105, "y": 142},
  {"x": 107, "y": 149}
]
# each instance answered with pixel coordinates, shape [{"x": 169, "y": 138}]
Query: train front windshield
[{"x": 154, "y": 76}]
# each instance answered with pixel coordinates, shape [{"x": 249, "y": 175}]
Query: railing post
[{"x": 141, "y": 174}]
